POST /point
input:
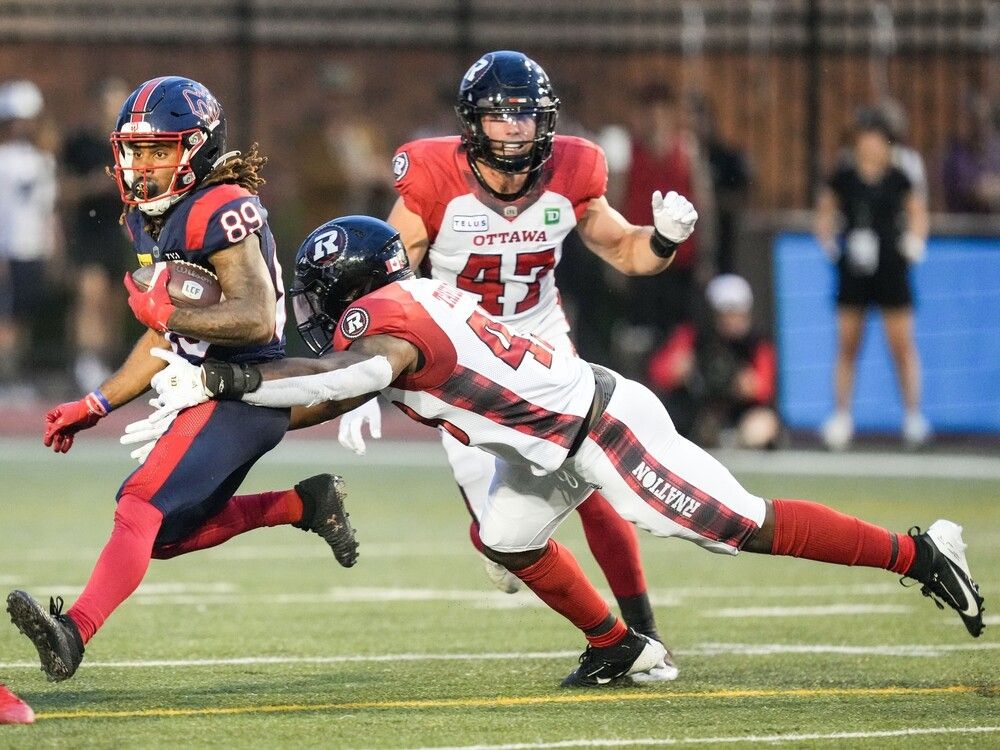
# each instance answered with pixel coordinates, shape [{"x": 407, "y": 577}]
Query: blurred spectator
[
  {"x": 27, "y": 223},
  {"x": 885, "y": 230},
  {"x": 904, "y": 156},
  {"x": 442, "y": 120},
  {"x": 98, "y": 245},
  {"x": 971, "y": 169},
  {"x": 730, "y": 177},
  {"x": 719, "y": 383},
  {"x": 342, "y": 164},
  {"x": 664, "y": 155}
]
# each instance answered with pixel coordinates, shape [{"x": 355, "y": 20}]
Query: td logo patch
[{"x": 354, "y": 323}]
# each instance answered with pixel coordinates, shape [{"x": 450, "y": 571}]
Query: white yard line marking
[
  {"x": 429, "y": 454},
  {"x": 723, "y": 741},
  {"x": 833, "y": 610},
  {"x": 228, "y": 593},
  {"x": 705, "y": 649}
]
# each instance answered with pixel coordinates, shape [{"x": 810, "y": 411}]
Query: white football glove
[
  {"x": 673, "y": 216},
  {"x": 350, "y": 435},
  {"x": 179, "y": 385},
  {"x": 147, "y": 431}
]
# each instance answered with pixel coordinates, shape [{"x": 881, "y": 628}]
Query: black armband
[
  {"x": 228, "y": 381},
  {"x": 661, "y": 246}
]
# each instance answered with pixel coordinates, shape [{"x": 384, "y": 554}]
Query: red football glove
[
  {"x": 153, "y": 307},
  {"x": 63, "y": 422}
]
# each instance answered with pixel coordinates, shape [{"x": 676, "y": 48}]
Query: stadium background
[
  {"x": 264, "y": 642},
  {"x": 784, "y": 78}
]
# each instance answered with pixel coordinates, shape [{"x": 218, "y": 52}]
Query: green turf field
[{"x": 266, "y": 642}]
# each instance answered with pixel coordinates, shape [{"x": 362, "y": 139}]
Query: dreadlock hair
[{"x": 241, "y": 169}]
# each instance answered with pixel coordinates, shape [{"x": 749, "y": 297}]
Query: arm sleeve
[{"x": 369, "y": 376}]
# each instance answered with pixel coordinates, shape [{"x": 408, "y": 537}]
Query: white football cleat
[
  {"x": 665, "y": 671},
  {"x": 502, "y": 578},
  {"x": 916, "y": 430}
]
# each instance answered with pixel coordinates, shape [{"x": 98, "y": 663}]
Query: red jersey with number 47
[
  {"x": 502, "y": 251},
  {"x": 480, "y": 380}
]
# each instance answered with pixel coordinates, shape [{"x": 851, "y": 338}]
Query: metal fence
[{"x": 783, "y": 76}]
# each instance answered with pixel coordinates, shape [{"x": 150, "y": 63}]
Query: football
[{"x": 190, "y": 285}]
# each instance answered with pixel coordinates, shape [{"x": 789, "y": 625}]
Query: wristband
[
  {"x": 97, "y": 403},
  {"x": 228, "y": 381},
  {"x": 661, "y": 246}
]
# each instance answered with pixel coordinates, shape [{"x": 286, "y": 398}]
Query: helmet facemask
[
  {"x": 509, "y": 156},
  {"x": 313, "y": 323},
  {"x": 142, "y": 187}
]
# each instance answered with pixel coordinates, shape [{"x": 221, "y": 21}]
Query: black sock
[
  {"x": 638, "y": 614},
  {"x": 921, "y": 567}
]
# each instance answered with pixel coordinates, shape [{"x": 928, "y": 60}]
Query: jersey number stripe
[
  {"x": 505, "y": 345},
  {"x": 482, "y": 276}
]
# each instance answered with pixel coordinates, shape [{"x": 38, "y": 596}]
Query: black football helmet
[
  {"x": 340, "y": 262},
  {"x": 176, "y": 112},
  {"x": 507, "y": 83}
]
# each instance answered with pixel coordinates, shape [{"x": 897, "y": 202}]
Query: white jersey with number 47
[
  {"x": 502, "y": 251},
  {"x": 481, "y": 381}
]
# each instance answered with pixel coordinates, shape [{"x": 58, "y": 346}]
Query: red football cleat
[{"x": 13, "y": 710}]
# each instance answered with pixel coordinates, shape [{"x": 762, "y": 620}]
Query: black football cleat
[
  {"x": 948, "y": 579},
  {"x": 632, "y": 654},
  {"x": 323, "y": 513},
  {"x": 54, "y": 634}
]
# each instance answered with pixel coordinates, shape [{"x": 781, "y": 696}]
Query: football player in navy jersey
[{"x": 186, "y": 198}]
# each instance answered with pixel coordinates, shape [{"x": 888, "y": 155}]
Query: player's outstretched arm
[
  {"x": 128, "y": 381},
  {"x": 636, "y": 250}
]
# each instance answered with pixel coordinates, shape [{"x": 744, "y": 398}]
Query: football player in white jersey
[
  {"x": 488, "y": 211},
  {"x": 556, "y": 426}
]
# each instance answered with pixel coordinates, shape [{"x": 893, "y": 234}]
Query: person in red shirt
[
  {"x": 719, "y": 383},
  {"x": 664, "y": 151}
]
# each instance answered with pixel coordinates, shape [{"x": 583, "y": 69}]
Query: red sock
[
  {"x": 121, "y": 566},
  {"x": 242, "y": 513},
  {"x": 559, "y": 582},
  {"x": 474, "y": 535},
  {"x": 815, "y": 532},
  {"x": 615, "y": 545}
]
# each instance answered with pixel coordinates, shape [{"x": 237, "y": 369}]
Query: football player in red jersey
[
  {"x": 556, "y": 426},
  {"x": 187, "y": 198},
  {"x": 488, "y": 212}
]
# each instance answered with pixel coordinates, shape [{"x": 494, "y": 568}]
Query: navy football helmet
[
  {"x": 177, "y": 113},
  {"x": 507, "y": 84},
  {"x": 340, "y": 262}
]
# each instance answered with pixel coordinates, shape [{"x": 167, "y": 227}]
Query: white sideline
[
  {"x": 327, "y": 454},
  {"x": 704, "y": 649},
  {"x": 723, "y": 741}
]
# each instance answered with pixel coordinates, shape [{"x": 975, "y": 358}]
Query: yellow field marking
[{"x": 608, "y": 696}]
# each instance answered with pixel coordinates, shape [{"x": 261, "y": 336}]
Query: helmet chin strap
[{"x": 509, "y": 197}]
